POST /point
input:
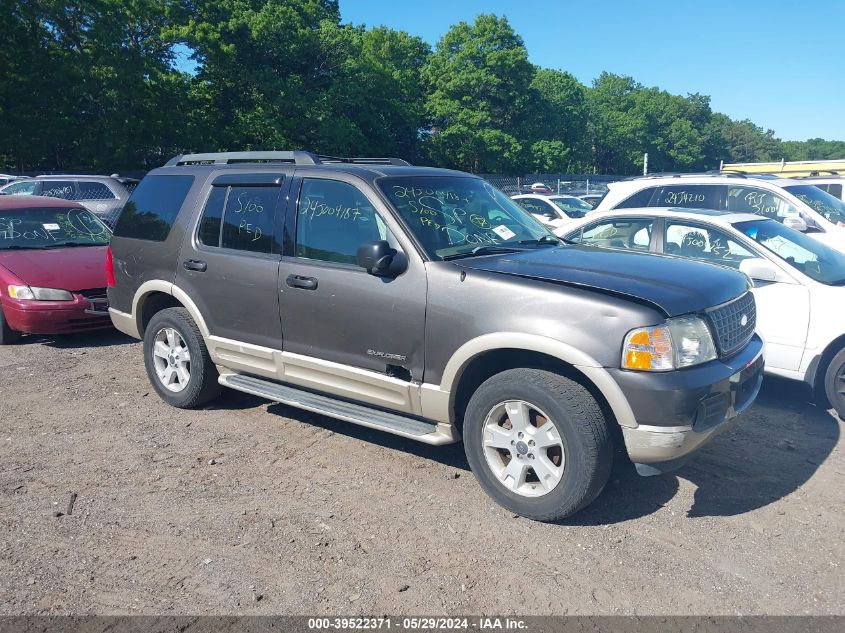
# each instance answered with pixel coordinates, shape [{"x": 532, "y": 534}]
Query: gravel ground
[{"x": 255, "y": 508}]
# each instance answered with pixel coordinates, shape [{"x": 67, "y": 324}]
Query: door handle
[
  {"x": 195, "y": 264},
  {"x": 298, "y": 281}
]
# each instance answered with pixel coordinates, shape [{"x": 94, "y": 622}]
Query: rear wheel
[
  {"x": 834, "y": 383},
  {"x": 538, "y": 443},
  {"x": 7, "y": 334},
  {"x": 177, "y": 360}
]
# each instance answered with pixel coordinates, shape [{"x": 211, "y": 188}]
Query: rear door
[{"x": 229, "y": 263}]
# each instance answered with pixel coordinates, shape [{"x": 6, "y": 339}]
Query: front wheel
[
  {"x": 177, "y": 360},
  {"x": 538, "y": 443},
  {"x": 7, "y": 334},
  {"x": 834, "y": 383}
]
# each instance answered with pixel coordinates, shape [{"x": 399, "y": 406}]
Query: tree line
[{"x": 103, "y": 85}]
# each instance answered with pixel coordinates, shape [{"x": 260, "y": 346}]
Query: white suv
[
  {"x": 799, "y": 283},
  {"x": 795, "y": 203}
]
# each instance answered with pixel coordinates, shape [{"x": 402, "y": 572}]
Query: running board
[{"x": 363, "y": 415}]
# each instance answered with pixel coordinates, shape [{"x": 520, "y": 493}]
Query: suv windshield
[
  {"x": 820, "y": 201},
  {"x": 51, "y": 228},
  {"x": 453, "y": 215},
  {"x": 803, "y": 253},
  {"x": 571, "y": 206}
]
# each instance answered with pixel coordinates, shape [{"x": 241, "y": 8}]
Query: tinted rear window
[
  {"x": 152, "y": 209},
  {"x": 639, "y": 199}
]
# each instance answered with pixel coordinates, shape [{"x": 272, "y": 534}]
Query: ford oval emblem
[{"x": 744, "y": 320}]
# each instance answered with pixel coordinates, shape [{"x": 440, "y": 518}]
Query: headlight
[
  {"x": 39, "y": 294},
  {"x": 680, "y": 342}
]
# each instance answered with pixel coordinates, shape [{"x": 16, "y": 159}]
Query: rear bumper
[
  {"x": 55, "y": 317},
  {"x": 677, "y": 412}
]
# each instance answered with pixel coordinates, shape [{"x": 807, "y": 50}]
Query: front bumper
[
  {"x": 679, "y": 411},
  {"x": 56, "y": 317}
]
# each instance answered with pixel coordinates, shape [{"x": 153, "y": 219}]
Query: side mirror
[
  {"x": 759, "y": 269},
  {"x": 380, "y": 259},
  {"x": 795, "y": 222}
]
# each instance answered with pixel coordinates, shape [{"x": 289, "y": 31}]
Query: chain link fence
[{"x": 571, "y": 184}]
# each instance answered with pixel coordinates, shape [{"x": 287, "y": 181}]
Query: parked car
[
  {"x": 52, "y": 268},
  {"x": 556, "y": 211},
  {"x": 795, "y": 203},
  {"x": 102, "y": 195},
  {"x": 799, "y": 283},
  {"x": 426, "y": 303},
  {"x": 592, "y": 199}
]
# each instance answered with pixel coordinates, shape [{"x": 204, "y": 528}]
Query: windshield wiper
[
  {"x": 547, "y": 240},
  {"x": 484, "y": 250}
]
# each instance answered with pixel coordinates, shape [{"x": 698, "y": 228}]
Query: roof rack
[
  {"x": 710, "y": 174},
  {"x": 287, "y": 157}
]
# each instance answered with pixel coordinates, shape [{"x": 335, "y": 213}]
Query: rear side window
[
  {"x": 58, "y": 189},
  {"x": 639, "y": 199},
  {"x": 240, "y": 218},
  {"x": 152, "y": 209},
  {"x": 690, "y": 197}
]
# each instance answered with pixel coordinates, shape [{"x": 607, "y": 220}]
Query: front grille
[
  {"x": 94, "y": 293},
  {"x": 731, "y": 334}
]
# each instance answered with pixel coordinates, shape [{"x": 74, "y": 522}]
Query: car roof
[
  {"x": 707, "y": 179},
  {"x": 36, "y": 202},
  {"x": 73, "y": 177},
  {"x": 370, "y": 172},
  {"x": 718, "y": 217}
]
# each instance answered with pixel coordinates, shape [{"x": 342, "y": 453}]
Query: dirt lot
[{"x": 248, "y": 507}]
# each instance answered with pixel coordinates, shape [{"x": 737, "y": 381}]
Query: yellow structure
[{"x": 789, "y": 169}]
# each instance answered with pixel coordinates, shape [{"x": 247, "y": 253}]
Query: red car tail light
[{"x": 109, "y": 268}]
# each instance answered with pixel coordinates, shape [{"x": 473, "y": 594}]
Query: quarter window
[
  {"x": 94, "y": 191},
  {"x": 704, "y": 244},
  {"x": 152, "y": 208},
  {"x": 633, "y": 234},
  {"x": 639, "y": 199},
  {"x": 334, "y": 219}
]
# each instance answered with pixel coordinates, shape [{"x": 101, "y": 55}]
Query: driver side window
[
  {"x": 333, "y": 220},
  {"x": 759, "y": 202}
]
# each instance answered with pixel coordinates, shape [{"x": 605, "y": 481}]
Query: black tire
[
  {"x": 587, "y": 443},
  {"x": 7, "y": 334},
  {"x": 834, "y": 383},
  {"x": 202, "y": 386}
]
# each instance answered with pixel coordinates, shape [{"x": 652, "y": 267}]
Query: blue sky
[{"x": 779, "y": 63}]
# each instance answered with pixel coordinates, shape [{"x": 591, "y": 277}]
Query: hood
[
  {"x": 675, "y": 286},
  {"x": 79, "y": 268}
]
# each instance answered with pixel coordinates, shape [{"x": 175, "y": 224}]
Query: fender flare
[{"x": 588, "y": 366}]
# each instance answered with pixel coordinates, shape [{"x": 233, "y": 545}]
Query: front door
[
  {"x": 335, "y": 312},
  {"x": 229, "y": 265}
]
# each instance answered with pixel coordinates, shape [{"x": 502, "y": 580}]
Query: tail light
[{"x": 109, "y": 268}]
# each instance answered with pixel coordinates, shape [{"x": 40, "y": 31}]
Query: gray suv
[
  {"x": 425, "y": 303},
  {"x": 103, "y": 196}
]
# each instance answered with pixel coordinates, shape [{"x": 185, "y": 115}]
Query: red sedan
[{"x": 52, "y": 268}]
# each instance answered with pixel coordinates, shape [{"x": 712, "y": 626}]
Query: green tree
[
  {"x": 555, "y": 123},
  {"x": 478, "y": 85}
]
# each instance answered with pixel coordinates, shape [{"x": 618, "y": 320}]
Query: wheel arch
[
  {"x": 485, "y": 356},
  {"x": 156, "y": 295},
  {"x": 818, "y": 367}
]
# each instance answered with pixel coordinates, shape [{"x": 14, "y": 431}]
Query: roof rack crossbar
[{"x": 284, "y": 157}]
